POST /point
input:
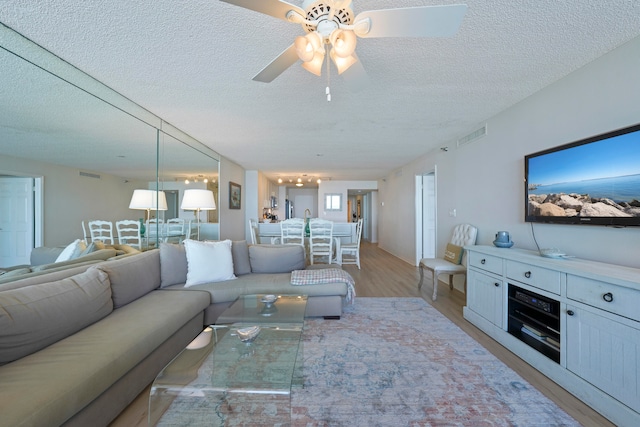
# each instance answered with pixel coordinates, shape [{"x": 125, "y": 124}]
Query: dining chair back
[
  {"x": 102, "y": 231},
  {"x": 463, "y": 235},
  {"x": 292, "y": 232},
  {"x": 175, "y": 230},
  {"x": 350, "y": 252},
  {"x": 253, "y": 231},
  {"x": 320, "y": 240},
  {"x": 129, "y": 233}
]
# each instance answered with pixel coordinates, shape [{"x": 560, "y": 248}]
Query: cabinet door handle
[
  {"x": 527, "y": 274},
  {"x": 570, "y": 312},
  {"x": 608, "y": 297},
  {"x": 483, "y": 261},
  {"x": 497, "y": 285}
]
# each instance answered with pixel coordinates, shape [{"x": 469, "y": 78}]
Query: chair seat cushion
[{"x": 441, "y": 266}]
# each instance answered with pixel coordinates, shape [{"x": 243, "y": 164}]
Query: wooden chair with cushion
[{"x": 451, "y": 264}]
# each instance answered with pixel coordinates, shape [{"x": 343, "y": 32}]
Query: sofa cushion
[
  {"x": 240, "y": 252},
  {"x": 276, "y": 258},
  {"x": 173, "y": 264},
  {"x": 33, "y": 317},
  {"x": 208, "y": 262},
  {"x": 132, "y": 277}
]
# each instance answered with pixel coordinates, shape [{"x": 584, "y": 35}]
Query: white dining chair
[
  {"x": 175, "y": 230},
  {"x": 351, "y": 249},
  {"x": 463, "y": 234},
  {"x": 253, "y": 230},
  {"x": 102, "y": 231},
  {"x": 320, "y": 240},
  {"x": 292, "y": 232},
  {"x": 129, "y": 233}
]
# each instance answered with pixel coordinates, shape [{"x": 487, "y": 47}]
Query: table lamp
[
  {"x": 197, "y": 200},
  {"x": 147, "y": 200}
]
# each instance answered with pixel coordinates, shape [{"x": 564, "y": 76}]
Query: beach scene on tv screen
[{"x": 598, "y": 179}]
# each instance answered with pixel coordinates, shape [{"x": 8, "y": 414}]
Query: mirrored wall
[{"x": 84, "y": 148}]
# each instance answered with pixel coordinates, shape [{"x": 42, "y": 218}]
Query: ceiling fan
[{"x": 332, "y": 27}]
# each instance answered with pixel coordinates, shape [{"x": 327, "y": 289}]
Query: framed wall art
[{"x": 235, "y": 195}]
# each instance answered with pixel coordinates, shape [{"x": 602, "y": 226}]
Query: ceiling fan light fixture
[
  {"x": 342, "y": 64},
  {"x": 308, "y": 46},
  {"x": 315, "y": 65},
  {"x": 343, "y": 42}
]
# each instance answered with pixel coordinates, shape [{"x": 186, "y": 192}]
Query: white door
[
  {"x": 16, "y": 220},
  {"x": 425, "y": 216}
]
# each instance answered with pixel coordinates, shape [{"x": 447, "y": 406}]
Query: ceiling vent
[
  {"x": 89, "y": 175},
  {"x": 473, "y": 136}
]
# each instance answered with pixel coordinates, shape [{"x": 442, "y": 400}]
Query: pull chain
[{"x": 328, "y": 91}]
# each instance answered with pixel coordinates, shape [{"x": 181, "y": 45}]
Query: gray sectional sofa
[
  {"x": 78, "y": 345},
  {"x": 43, "y": 260}
]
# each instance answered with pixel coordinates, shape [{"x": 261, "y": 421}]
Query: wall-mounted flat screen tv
[{"x": 591, "y": 181}]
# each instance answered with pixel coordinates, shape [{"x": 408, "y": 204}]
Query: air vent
[
  {"x": 89, "y": 175},
  {"x": 473, "y": 136}
]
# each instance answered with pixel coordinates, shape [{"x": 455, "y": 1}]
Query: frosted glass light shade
[
  {"x": 343, "y": 42},
  {"x": 148, "y": 199},
  {"x": 196, "y": 199},
  {"x": 342, "y": 64}
]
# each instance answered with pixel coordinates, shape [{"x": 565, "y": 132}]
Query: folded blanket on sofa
[{"x": 325, "y": 275}]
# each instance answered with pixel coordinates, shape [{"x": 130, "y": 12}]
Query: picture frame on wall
[{"x": 235, "y": 195}]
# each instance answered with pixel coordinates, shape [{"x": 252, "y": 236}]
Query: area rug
[
  {"x": 400, "y": 362},
  {"x": 387, "y": 362}
]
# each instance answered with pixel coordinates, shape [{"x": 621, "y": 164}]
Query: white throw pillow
[
  {"x": 72, "y": 251},
  {"x": 208, "y": 262}
]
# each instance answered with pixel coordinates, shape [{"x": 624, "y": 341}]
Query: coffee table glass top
[{"x": 219, "y": 379}]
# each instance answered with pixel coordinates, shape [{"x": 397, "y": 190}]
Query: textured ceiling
[{"x": 191, "y": 63}]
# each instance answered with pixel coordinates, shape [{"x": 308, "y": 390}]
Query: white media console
[{"x": 576, "y": 321}]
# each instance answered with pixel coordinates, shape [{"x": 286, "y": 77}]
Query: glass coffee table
[{"x": 220, "y": 380}]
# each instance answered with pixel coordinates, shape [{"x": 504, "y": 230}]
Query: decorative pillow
[
  {"x": 276, "y": 258},
  {"x": 453, "y": 253},
  {"x": 33, "y": 317},
  {"x": 208, "y": 262},
  {"x": 173, "y": 264},
  {"x": 72, "y": 251},
  {"x": 91, "y": 247}
]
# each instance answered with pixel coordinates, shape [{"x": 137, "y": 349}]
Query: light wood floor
[{"x": 383, "y": 275}]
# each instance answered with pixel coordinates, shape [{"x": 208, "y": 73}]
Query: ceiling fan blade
[
  {"x": 421, "y": 21},
  {"x": 276, "y": 8},
  {"x": 355, "y": 76},
  {"x": 276, "y": 67}
]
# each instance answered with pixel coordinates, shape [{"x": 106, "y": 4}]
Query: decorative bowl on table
[
  {"x": 248, "y": 334},
  {"x": 269, "y": 300}
]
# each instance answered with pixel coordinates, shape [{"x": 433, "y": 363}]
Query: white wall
[
  {"x": 70, "y": 198},
  {"x": 483, "y": 180}
]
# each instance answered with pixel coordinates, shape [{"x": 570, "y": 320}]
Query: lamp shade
[
  {"x": 195, "y": 199},
  {"x": 148, "y": 199}
]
